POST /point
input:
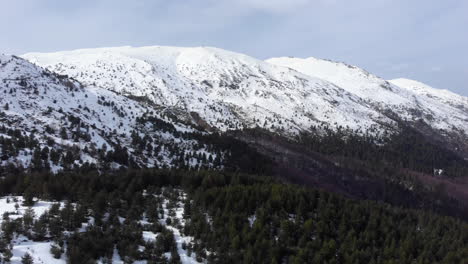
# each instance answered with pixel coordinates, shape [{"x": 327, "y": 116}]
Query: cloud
[
  {"x": 399, "y": 67},
  {"x": 275, "y": 6},
  {"x": 359, "y": 32}
]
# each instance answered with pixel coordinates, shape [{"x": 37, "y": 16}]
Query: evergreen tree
[
  {"x": 56, "y": 251},
  {"x": 27, "y": 259}
]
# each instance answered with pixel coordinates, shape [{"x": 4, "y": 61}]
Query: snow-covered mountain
[
  {"x": 410, "y": 100},
  {"x": 227, "y": 90},
  {"x": 49, "y": 120},
  {"x": 94, "y": 104},
  {"x": 112, "y": 108},
  {"x": 230, "y": 90},
  {"x": 440, "y": 96}
]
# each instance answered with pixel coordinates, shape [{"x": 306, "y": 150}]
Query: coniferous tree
[{"x": 27, "y": 259}]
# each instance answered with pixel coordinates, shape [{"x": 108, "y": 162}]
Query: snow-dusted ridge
[
  {"x": 100, "y": 97},
  {"x": 228, "y": 90},
  {"x": 12, "y": 208},
  {"x": 55, "y": 114},
  {"x": 410, "y": 100},
  {"x": 441, "y": 95}
]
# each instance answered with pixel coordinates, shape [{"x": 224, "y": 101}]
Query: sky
[{"x": 425, "y": 40}]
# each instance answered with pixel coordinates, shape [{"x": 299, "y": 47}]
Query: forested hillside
[
  {"x": 201, "y": 155},
  {"x": 405, "y": 169},
  {"x": 184, "y": 216}
]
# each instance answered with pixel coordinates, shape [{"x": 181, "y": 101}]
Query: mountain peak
[
  {"x": 423, "y": 89},
  {"x": 415, "y": 85},
  {"x": 230, "y": 90}
]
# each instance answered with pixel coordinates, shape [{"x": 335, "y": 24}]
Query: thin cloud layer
[
  {"x": 379, "y": 35},
  {"x": 275, "y": 6}
]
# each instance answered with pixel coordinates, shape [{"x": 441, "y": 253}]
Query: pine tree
[
  {"x": 40, "y": 227},
  {"x": 27, "y": 259},
  {"x": 28, "y": 197},
  {"x": 28, "y": 218},
  {"x": 7, "y": 255},
  {"x": 55, "y": 251}
]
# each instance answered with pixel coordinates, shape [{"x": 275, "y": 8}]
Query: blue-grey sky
[{"x": 426, "y": 40}]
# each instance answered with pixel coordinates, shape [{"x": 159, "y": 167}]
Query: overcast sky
[{"x": 426, "y": 40}]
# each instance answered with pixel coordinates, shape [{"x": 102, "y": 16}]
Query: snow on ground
[
  {"x": 252, "y": 219},
  {"x": 117, "y": 260},
  {"x": 149, "y": 236},
  {"x": 178, "y": 236},
  {"x": 7, "y": 205},
  {"x": 40, "y": 251}
]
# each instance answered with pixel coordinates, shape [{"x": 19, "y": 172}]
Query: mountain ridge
[
  {"x": 79, "y": 124},
  {"x": 219, "y": 76},
  {"x": 230, "y": 91},
  {"x": 400, "y": 98},
  {"x": 206, "y": 108}
]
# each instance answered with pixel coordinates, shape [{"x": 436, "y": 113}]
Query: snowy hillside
[
  {"x": 227, "y": 90},
  {"x": 128, "y": 106},
  {"x": 37, "y": 240},
  {"x": 430, "y": 93},
  {"x": 411, "y": 100},
  {"x": 51, "y": 121},
  {"x": 12, "y": 208},
  {"x": 90, "y": 112}
]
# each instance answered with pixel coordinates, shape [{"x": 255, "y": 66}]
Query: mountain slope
[
  {"x": 94, "y": 113},
  {"x": 227, "y": 90},
  {"x": 430, "y": 93},
  {"x": 223, "y": 90},
  {"x": 410, "y": 100},
  {"x": 51, "y": 121},
  {"x": 164, "y": 106},
  {"x": 140, "y": 217}
]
